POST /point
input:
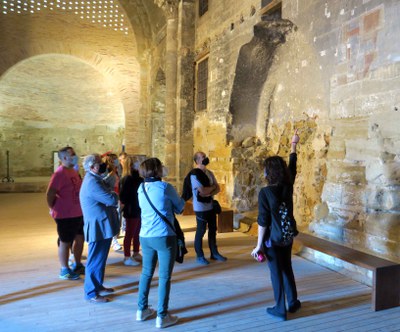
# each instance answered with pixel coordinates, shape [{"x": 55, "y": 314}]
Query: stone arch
[
  {"x": 49, "y": 101},
  {"x": 113, "y": 54},
  {"x": 284, "y": 104},
  {"x": 252, "y": 68}
]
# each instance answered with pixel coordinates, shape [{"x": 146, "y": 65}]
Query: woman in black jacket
[
  {"x": 128, "y": 197},
  {"x": 279, "y": 190}
]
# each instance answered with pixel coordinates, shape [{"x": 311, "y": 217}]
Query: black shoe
[
  {"x": 273, "y": 312},
  {"x": 218, "y": 257},
  {"x": 202, "y": 260},
  {"x": 296, "y": 306}
]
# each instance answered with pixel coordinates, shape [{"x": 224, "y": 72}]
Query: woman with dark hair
[
  {"x": 280, "y": 179},
  {"x": 129, "y": 185},
  {"x": 158, "y": 239}
]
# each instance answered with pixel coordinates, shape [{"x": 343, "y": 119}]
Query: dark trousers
[
  {"x": 203, "y": 219},
  {"x": 132, "y": 231},
  {"x": 282, "y": 277},
  {"x": 95, "y": 267}
]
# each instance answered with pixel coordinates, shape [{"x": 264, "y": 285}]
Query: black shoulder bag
[{"x": 181, "y": 250}]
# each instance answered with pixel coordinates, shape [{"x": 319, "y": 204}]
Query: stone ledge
[{"x": 25, "y": 185}]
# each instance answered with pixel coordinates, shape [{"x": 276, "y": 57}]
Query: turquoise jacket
[{"x": 167, "y": 201}]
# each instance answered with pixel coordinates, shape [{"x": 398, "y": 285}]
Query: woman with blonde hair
[{"x": 129, "y": 185}]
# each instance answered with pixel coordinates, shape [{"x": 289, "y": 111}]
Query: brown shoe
[
  {"x": 107, "y": 290},
  {"x": 99, "y": 299}
]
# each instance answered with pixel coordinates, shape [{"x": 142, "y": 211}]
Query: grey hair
[{"x": 89, "y": 161}]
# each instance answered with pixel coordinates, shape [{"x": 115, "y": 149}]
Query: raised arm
[
  {"x": 293, "y": 156},
  {"x": 295, "y": 140}
]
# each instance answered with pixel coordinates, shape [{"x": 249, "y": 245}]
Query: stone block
[
  {"x": 382, "y": 172},
  {"x": 384, "y": 198},
  {"x": 342, "y": 172},
  {"x": 362, "y": 150},
  {"x": 345, "y": 108},
  {"x": 353, "y": 195},
  {"x": 345, "y": 92},
  {"x": 386, "y": 124},
  {"x": 371, "y": 21},
  {"x": 329, "y": 227},
  {"x": 374, "y": 103},
  {"x": 383, "y": 225},
  {"x": 321, "y": 211},
  {"x": 332, "y": 192}
]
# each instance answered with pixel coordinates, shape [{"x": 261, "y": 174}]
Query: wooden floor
[{"x": 229, "y": 296}]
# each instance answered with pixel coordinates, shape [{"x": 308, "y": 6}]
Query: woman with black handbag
[
  {"x": 280, "y": 179},
  {"x": 158, "y": 239}
]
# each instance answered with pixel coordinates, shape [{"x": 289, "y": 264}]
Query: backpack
[{"x": 284, "y": 229}]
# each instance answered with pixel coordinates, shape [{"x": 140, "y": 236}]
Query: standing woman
[
  {"x": 111, "y": 179},
  {"x": 280, "y": 179},
  {"x": 158, "y": 240},
  {"x": 128, "y": 196}
]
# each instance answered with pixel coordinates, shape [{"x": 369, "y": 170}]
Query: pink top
[{"x": 67, "y": 183}]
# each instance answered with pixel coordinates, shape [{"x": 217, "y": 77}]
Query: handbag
[
  {"x": 216, "y": 206},
  {"x": 181, "y": 250}
]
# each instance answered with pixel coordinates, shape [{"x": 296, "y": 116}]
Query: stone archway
[
  {"x": 283, "y": 105},
  {"x": 50, "y": 101}
]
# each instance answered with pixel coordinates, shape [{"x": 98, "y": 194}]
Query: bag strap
[{"x": 164, "y": 218}]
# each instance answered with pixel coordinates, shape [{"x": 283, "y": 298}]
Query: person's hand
[
  {"x": 295, "y": 138},
  {"x": 255, "y": 251}
]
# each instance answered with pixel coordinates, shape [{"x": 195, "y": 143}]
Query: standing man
[
  {"x": 101, "y": 223},
  {"x": 63, "y": 200},
  {"x": 204, "y": 186}
]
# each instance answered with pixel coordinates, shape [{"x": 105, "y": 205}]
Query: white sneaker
[
  {"x": 166, "y": 321},
  {"x": 144, "y": 314},
  {"x": 71, "y": 260},
  {"x": 128, "y": 261},
  {"x": 137, "y": 257},
  {"x": 115, "y": 245}
]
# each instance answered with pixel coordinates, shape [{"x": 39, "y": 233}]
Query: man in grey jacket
[{"x": 99, "y": 206}]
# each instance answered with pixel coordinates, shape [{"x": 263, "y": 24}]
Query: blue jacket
[
  {"x": 167, "y": 201},
  {"x": 99, "y": 208}
]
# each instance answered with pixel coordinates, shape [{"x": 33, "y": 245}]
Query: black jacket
[
  {"x": 270, "y": 197},
  {"x": 128, "y": 187}
]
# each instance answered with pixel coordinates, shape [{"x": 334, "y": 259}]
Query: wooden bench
[
  {"x": 386, "y": 274},
  {"x": 224, "y": 219}
]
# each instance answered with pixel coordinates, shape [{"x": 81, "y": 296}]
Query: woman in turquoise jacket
[{"x": 158, "y": 240}]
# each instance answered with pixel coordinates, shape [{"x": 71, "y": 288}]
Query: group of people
[{"x": 89, "y": 209}]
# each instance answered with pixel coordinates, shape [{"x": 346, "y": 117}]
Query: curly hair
[{"x": 276, "y": 171}]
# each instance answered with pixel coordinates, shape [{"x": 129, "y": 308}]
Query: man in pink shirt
[{"x": 63, "y": 201}]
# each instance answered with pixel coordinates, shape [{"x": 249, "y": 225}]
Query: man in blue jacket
[{"x": 99, "y": 206}]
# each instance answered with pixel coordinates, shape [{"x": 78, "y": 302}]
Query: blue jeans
[
  {"x": 203, "y": 219},
  {"x": 162, "y": 249}
]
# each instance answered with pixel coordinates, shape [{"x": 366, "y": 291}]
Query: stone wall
[
  {"x": 334, "y": 77},
  {"x": 330, "y": 69},
  {"x": 70, "y": 75}
]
